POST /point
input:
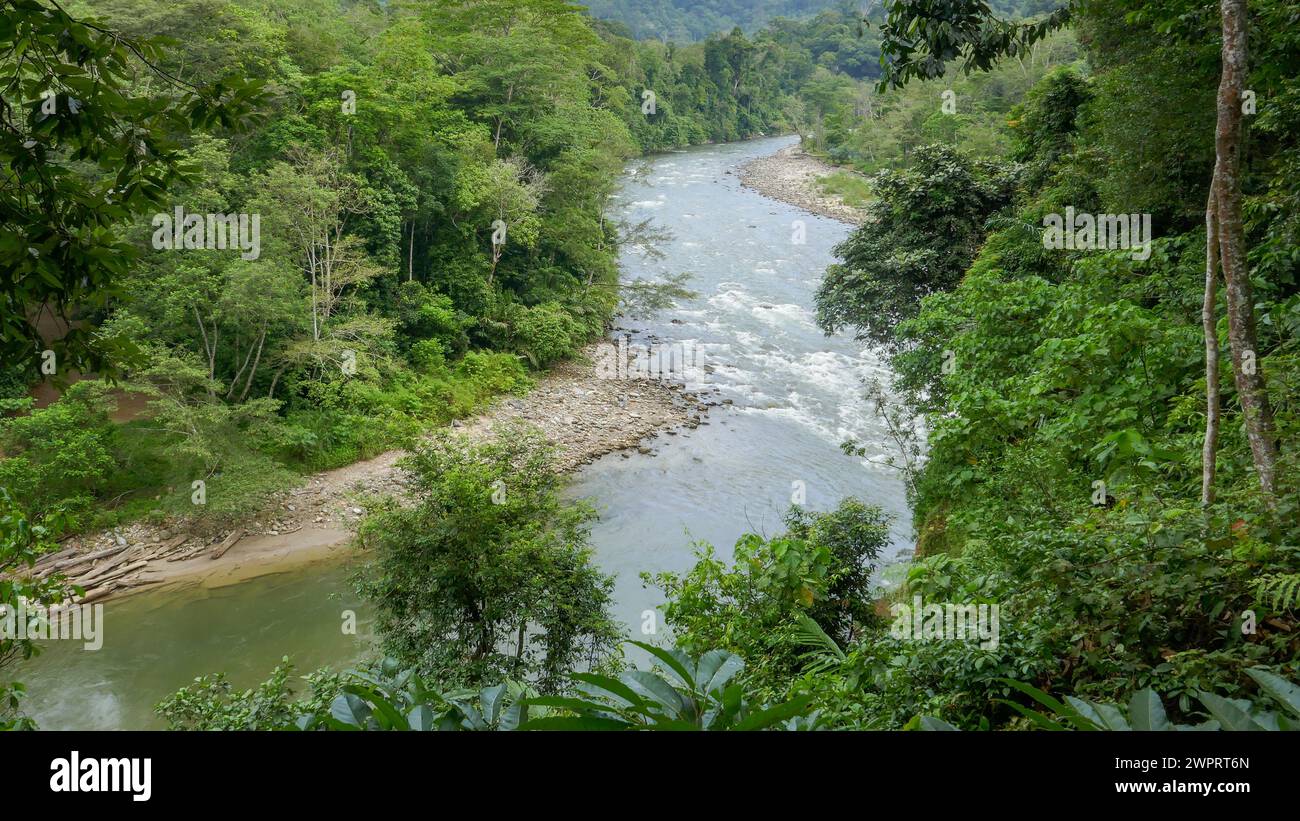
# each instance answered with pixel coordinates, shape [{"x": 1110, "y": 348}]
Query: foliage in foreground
[
  {"x": 1145, "y": 711},
  {"x": 680, "y": 693}
]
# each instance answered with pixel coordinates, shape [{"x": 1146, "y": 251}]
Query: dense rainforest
[{"x": 433, "y": 179}]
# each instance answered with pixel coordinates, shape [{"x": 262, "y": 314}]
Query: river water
[{"x": 794, "y": 394}]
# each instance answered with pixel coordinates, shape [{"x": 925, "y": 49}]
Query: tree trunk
[
  {"x": 1210, "y": 322},
  {"x": 519, "y": 647},
  {"x": 256, "y": 361},
  {"x": 1226, "y": 188}
]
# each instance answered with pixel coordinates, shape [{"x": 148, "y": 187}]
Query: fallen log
[
  {"x": 116, "y": 574},
  {"x": 97, "y": 593},
  {"x": 100, "y": 570},
  {"x": 47, "y": 560},
  {"x": 170, "y": 546},
  {"x": 227, "y": 543},
  {"x": 89, "y": 557}
]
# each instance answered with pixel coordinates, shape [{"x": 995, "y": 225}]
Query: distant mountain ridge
[{"x": 690, "y": 20}]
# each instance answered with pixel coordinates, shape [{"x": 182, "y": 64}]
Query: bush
[
  {"x": 62, "y": 455},
  {"x": 546, "y": 333},
  {"x": 489, "y": 574}
]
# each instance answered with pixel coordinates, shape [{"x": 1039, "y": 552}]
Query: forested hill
[{"x": 690, "y": 20}]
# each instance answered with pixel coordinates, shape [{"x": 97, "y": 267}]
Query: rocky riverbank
[
  {"x": 585, "y": 416},
  {"x": 790, "y": 175}
]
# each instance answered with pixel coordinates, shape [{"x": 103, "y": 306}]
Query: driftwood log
[{"x": 227, "y": 543}]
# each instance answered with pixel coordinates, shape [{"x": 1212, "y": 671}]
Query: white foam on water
[
  {"x": 836, "y": 372},
  {"x": 731, "y": 299},
  {"x": 786, "y": 314},
  {"x": 749, "y": 340}
]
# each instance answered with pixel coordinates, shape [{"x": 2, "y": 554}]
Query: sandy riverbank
[
  {"x": 790, "y": 175},
  {"x": 585, "y": 416}
]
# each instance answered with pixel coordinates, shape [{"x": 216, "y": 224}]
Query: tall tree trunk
[
  {"x": 275, "y": 380},
  {"x": 1210, "y": 322},
  {"x": 209, "y": 348},
  {"x": 1226, "y": 188},
  {"x": 256, "y": 361},
  {"x": 519, "y": 647}
]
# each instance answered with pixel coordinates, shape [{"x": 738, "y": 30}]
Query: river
[{"x": 794, "y": 394}]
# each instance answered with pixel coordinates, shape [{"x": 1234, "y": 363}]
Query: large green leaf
[
  {"x": 617, "y": 689},
  {"x": 1286, "y": 693},
  {"x": 671, "y": 661},
  {"x": 657, "y": 689},
  {"x": 422, "y": 719},
  {"x": 1042, "y": 721},
  {"x": 730, "y": 666},
  {"x": 1066, "y": 712},
  {"x": 772, "y": 715},
  {"x": 491, "y": 700},
  {"x": 1146, "y": 712},
  {"x": 930, "y": 724},
  {"x": 1230, "y": 714},
  {"x": 1112, "y": 718},
  {"x": 350, "y": 710}
]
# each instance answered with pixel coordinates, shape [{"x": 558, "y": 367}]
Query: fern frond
[
  {"x": 824, "y": 653},
  {"x": 1278, "y": 591}
]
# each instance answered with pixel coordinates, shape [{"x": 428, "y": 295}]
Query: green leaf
[
  {"x": 421, "y": 719},
  {"x": 1036, "y": 717},
  {"x": 1229, "y": 714},
  {"x": 766, "y": 718},
  {"x": 930, "y": 724},
  {"x": 657, "y": 689},
  {"x": 1064, "y": 711},
  {"x": 1283, "y": 691},
  {"x": 671, "y": 661},
  {"x": 350, "y": 711},
  {"x": 1146, "y": 712},
  {"x": 612, "y": 686},
  {"x": 730, "y": 666}
]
